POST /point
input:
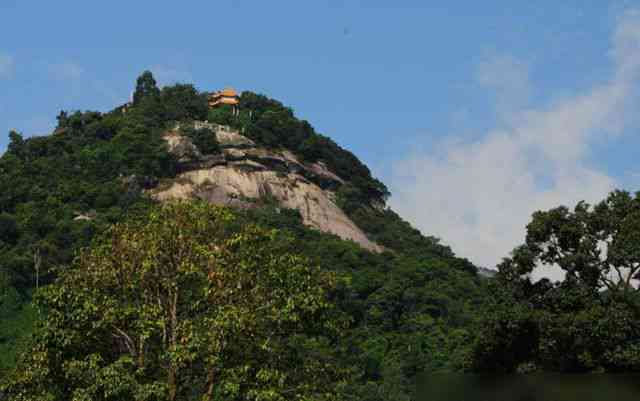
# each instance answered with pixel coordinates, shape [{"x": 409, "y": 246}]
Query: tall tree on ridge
[{"x": 146, "y": 86}]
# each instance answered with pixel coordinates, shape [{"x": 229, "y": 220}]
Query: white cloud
[
  {"x": 478, "y": 196},
  {"x": 7, "y": 66},
  {"x": 508, "y": 79}
]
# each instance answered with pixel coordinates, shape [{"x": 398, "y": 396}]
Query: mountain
[{"x": 412, "y": 303}]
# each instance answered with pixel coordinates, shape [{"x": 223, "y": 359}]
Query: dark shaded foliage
[
  {"x": 204, "y": 139},
  {"x": 412, "y": 309}
]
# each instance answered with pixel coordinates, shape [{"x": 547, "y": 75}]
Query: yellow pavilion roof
[{"x": 229, "y": 92}]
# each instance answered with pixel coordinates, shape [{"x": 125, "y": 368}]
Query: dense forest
[{"x": 107, "y": 295}]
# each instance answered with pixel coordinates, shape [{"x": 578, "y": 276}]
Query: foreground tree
[
  {"x": 588, "y": 322},
  {"x": 184, "y": 304}
]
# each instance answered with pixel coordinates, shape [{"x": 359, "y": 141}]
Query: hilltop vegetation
[
  {"x": 78, "y": 235},
  {"x": 408, "y": 308}
]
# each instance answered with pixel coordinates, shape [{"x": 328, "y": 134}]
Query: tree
[
  {"x": 204, "y": 139},
  {"x": 590, "y": 320},
  {"x": 63, "y": 119},
  {"x": 597, "y": 247},
  {"x": 8, "y": 229},
  {"x": 16, "y": 144},
  {"x": 145, "y": 87},
  {"x": 182, "y": 305},
  {"x": 183, "y": 102}
]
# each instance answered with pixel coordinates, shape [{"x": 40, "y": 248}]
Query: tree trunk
[
  {"x": 210, "y": 386},
  {"x": 141, "y": 353},
  {"x": 172, "y": 379},
  {"x": 37, "y": 261}
]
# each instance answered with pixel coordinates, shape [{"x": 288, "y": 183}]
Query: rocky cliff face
[{"x": 244, "y": 173}]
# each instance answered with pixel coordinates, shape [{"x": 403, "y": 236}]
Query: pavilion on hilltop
[{"x": 227, "y": 96}]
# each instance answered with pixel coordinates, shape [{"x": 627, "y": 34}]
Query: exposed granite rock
[
  {"x": 182, "y": 147},
  {"x": 244, "y": 174},
  {"x": 320, "y": 169},
  {"x": 234, "y": 154},
  {"x": 228, "y": 138},
  {"x": 230, "y": 184}
]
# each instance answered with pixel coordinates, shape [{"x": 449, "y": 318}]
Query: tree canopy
[
  {"x": 364, "y": 325},
  {"x": 146, "y": 87},
  {"x": 587, "y": 322},
  {"x": 179, "y": 306}
]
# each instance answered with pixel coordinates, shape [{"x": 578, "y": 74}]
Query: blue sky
[{"x": 474, "y": 113}]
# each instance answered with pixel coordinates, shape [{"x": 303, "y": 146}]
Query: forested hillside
[
  {"x": 106, "y": 293},
  {"x": 408, "y": 309}
]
